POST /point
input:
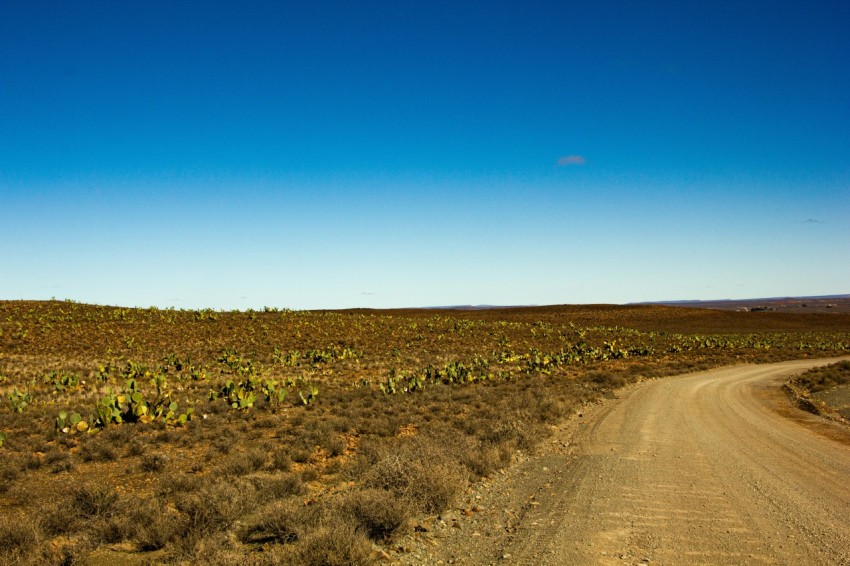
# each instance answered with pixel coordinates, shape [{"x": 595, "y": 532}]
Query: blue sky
[{"x": 388, "y": 154}]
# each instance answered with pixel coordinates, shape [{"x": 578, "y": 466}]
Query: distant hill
[
  {"x": 809, "y": 304},
  {"x": 477, "y": 307}
]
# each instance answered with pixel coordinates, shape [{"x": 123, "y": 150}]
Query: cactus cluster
[
  {"x": 18, "y": 400},
  {"x": 71, "y": 423},
  {"x": 309, "y": 396},
  {"x": 63, "y": 381},
  {"x": 131, "y": 405},
  {"x": 401, "y": 384},
  {"x": 288, "y": 359},
  {"x": 314, "y": 356},
  {"x": 243, "y": 394},
  {"x": 273, "y": 392},
  {"x": 238, "y": 395},
  {"x": 127, "y": 405},
  {"x": 236, "y": 364},
  {"x": 105, "y": 371}
]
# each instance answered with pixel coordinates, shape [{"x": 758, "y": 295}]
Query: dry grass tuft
[{"x": 422, "y": 471}]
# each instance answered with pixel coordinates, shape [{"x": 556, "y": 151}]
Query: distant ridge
[
  {"x": 801, "y": 305},
  {"x": 477, "y": 307},
  {"x": 696, "y": 301}
]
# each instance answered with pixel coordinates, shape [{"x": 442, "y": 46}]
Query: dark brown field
[
  {"x": 311, "y": 437},
  {"x": 808, "y": 305}
]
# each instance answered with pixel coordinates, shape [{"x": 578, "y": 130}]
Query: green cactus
[
  {"x": 414, "y": 383},
  {"x": 289, "y": 359},
  {"x": 238, "y": 395},
  {"x": 61, "y": 421},
  {"x": 71, "y": 423},
  {"x": 244, "y": 400},
  {"x": 273, "y": 393},
  {"x": 388, "y": 387},
  {"x": 19, "y": 400},
  {"x": 160, "y": 383},
  {"x": 3, "y": 438},
  {"x": 197, "y": 373},
  {"x": 62, "y": 380},
  {"x": 310, "y": 397},
  {"x": 184, "y": 417}
]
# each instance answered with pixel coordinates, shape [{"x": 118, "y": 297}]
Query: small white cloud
[
  {"x": 571, "y": 160},
  {"x": 368, "y": 293}
]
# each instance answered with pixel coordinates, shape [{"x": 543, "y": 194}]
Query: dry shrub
[
  {"x": 119, "y": 435},
  {"x": 550, "y": 410},
  {"x": 9, "y": 472},
  {"x": 334, "y": 543},
  {"x": 379, "y": 424},
  {"x": 54, "y": 455},
  {"x": 57, "y": 460},
  {"x": 153, "y": 463},
  {"x": 300, "y": 455},
  {"x": 369, "y": 452},
  {"x": 377, "y": 512},
  {"x": 210, "y": 550},
  {"x": 236, "y": 465},
  {"x": 93, "y": 508},
  {"x": 315, "y": 434},
  {"x": 326, "y": 533},
  {"x": 278, "y": 486},
  {"x": 282, "y": 521},
  {"x": 171, "y": 485},
  {"x": 18, "y": 538},
  {"x": 111, "y": 530},
  {"x": 822, "y": 378},
  {"x": 56, "y": 519},
  {"x": 93, "y": 500},
  {"x": 334, "y": 444},
  {"x": 215, "y": 506},
  {"x": 256, "y": 458},
  {"x": 32, "y": 462},
  {"x": 154, "y": 525},
  {"x": 280, "y": 460},
  {"x": 422, "y": 471},
  {"x": 608, "y": 379},
  {"x": 485, "y": 459}
]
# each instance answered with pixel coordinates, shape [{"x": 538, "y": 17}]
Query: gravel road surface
[{"x": 708, "y": 468}]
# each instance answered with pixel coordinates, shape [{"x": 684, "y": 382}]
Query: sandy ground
[{"x": 707, "y": 468}]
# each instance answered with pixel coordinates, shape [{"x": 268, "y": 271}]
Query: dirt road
[{"x": 708, "y": 468}]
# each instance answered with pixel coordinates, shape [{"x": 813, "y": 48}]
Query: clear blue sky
[{"x": 400, "y": 153}]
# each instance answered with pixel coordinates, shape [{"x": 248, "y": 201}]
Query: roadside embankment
[{"x": 824, "y": 391}]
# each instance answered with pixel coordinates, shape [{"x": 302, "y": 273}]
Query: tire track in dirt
[
  {"x": 696, "y": 470},
  {"x": 707, "y": 468}
]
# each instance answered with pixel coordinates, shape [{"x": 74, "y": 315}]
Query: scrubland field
[{"x": 182, "y": 437}]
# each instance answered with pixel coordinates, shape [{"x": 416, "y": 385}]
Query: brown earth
[
  {"x": 292, "y": 481},
  {"x": 710, "y": 468},
  {"x": 827, "y": 305}
]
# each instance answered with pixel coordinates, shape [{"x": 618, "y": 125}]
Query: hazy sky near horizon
[{"x": 397, "y": 153}]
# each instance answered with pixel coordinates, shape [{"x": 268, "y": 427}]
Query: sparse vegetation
[
  {"x": 304, "y": 437},
  {"x": 823, "y": 378},
  {"x": 823, "y": 391}
]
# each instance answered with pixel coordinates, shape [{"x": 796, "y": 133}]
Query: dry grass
[
  {"x": 823, "y": 391},
  {"x": 823, "y": 378},
  {"x": 315, "y": 481},
  {"x": 18, "y": 539}
]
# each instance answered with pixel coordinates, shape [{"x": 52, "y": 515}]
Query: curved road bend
[{"x": 708, "y": 468}]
